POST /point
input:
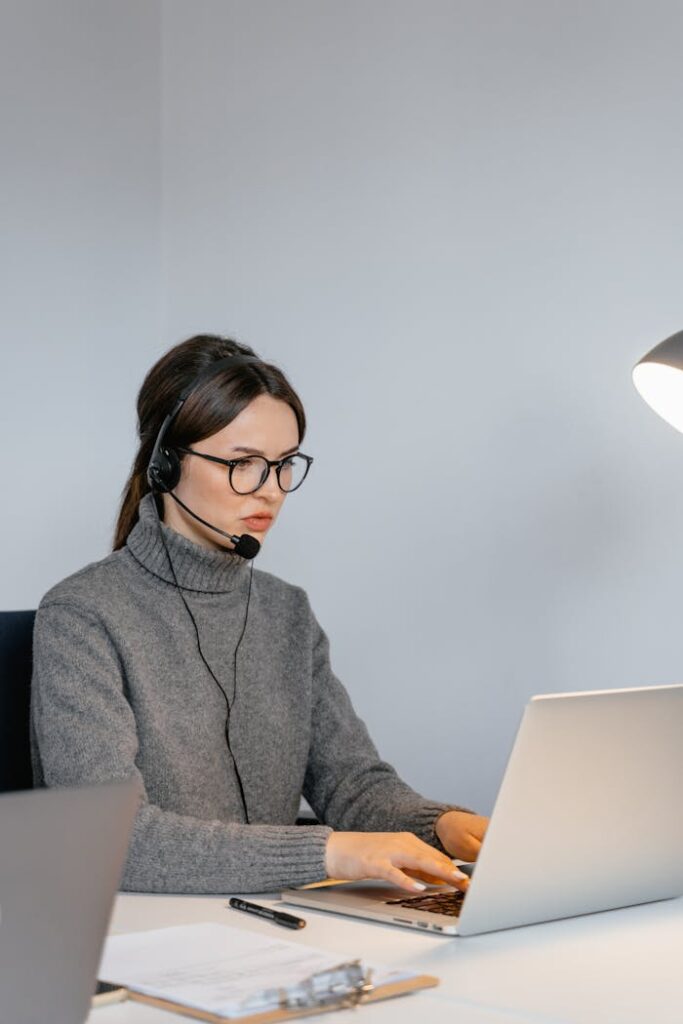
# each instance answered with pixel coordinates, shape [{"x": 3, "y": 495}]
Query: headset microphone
[{"x": 245, "y": 545}]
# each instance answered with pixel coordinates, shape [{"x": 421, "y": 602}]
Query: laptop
[
  {"x": 588, "y": 818},
  {"x": 61, "y": 856}
]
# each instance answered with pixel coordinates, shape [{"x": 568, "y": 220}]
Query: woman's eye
[{"x": 244, "y": 464}]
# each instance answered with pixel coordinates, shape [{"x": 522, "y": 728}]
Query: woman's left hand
[{"x": 461, "y": 833}]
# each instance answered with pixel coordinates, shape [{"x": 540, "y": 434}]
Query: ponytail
[{"x": 136, "y": 488}]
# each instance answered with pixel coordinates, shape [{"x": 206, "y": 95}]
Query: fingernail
[
  {"x": 458, "y": 874},
  {"x": 420, "y": 886}
]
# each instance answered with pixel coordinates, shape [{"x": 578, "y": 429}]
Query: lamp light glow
[{"x": 658, "y": 378}]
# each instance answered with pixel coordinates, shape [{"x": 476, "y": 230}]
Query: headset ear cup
[
  {"x": 164, "y": 470},
  {"x": 172, "y": 472}
]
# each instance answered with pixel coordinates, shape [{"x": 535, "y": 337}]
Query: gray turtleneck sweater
[{"x": 119, "y": 688}]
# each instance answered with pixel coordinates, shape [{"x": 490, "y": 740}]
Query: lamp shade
[{"x": 658, "y": 377}]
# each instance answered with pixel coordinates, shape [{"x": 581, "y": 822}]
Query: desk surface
[{"x": 619, "y": 967}]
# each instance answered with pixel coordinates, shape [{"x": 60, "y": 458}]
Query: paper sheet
[{"x": 214, "y": 967}]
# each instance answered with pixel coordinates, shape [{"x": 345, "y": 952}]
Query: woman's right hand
[{"x": 385, "y": 855}]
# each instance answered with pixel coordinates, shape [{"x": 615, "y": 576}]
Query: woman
[{"x": 173, "y": 661}]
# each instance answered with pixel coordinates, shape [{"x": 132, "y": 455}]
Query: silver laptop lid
[
  {"x": 61, "y": 856},
  {"x": 588, "y": 816}
]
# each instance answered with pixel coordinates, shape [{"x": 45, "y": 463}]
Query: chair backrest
[{"x": 16, "y": 635}]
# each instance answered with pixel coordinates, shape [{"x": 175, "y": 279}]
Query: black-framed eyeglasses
[{"x": 247, "y": 474}]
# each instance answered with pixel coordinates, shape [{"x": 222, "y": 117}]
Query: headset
[
  {"x": 163, "y": 471},
  {"x": 163, "y": 475}
]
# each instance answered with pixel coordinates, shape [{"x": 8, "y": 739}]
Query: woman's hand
[
  {"x": 351, "y": 855},
  {"x": 461, "y": 833}
]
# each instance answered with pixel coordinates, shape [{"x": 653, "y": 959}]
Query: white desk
[{"x": 621, "y": 967}]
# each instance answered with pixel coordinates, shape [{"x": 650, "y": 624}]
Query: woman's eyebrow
[{"x": 255, "y": 451}]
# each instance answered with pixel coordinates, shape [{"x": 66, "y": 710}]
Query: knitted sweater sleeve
[
  {"x": 346, "y": 783},
  {"x": 84, "y": 731}
]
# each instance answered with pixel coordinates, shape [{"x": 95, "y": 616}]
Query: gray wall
[
  {"x": 457, "y": 227},
  {"x": 79, "y": 272}
]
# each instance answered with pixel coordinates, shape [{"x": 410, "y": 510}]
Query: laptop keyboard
[{"x": 434, "y": 902}]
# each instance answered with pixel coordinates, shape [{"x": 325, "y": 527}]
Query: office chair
[
  {"x": 306, "y": 816},
  {"x": 16, "y": 636}
]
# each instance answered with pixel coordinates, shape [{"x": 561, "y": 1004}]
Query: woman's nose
[{"x": 270, "y": 487}]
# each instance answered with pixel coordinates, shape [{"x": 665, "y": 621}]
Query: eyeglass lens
[{"x": 249, "y": 474}]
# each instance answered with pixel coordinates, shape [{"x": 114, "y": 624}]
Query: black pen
[{"x": 276, "y": 916}]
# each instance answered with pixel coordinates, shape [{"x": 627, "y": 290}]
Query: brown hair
[{"x": 208, "y": 409}]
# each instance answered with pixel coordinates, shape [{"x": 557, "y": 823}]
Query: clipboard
[
  {"x": 218, "y": 973},
  {"x": 345, "y": 986}
]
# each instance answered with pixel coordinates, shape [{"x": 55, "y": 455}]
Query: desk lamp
[{"x": 659, "y": 379}]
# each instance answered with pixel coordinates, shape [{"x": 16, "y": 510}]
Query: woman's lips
[{"x": 258, "y": 523}]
